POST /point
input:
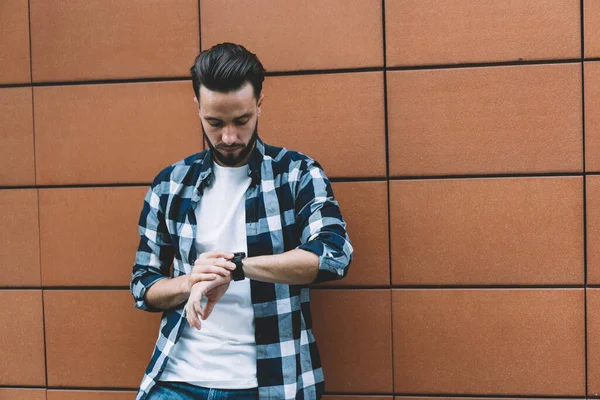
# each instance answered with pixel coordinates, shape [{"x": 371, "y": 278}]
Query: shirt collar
[{"x": 206, "y": 170}]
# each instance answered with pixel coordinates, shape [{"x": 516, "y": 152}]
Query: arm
[
  {"x": 171, "y": 292},
  {"x": 294, "y": 267},
  {"x": 325, "y": 251},
  {"x": 151, "y": 285},
  {"x": 155, "y": 253}
]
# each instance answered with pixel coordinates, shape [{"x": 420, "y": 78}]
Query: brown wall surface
[{"x": 462, "y": 138}]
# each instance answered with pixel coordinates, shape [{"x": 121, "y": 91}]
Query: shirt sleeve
[
  {"x": 155, "y": 253},
  {"x": 323, "y": 229}
]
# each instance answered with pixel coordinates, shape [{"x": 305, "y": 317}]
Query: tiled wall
[{"x": 462, "y": 136}]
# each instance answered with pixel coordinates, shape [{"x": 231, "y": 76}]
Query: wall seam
[
  {"x": 585, "y": 255},
  {"x": 387, "y": 179},
  {"x": 309, "y": 72},
  {"x": 37, "y": 193}
]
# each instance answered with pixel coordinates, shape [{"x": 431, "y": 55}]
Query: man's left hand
[{"x": 213, "y": 291}]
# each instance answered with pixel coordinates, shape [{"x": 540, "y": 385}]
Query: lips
[{"x": 229, "y": 149}]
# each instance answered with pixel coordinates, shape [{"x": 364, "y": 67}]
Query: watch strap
[{"x": 238, "y": 273}]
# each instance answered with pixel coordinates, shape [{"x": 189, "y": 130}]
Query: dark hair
[{"x": 226, "y": 67}]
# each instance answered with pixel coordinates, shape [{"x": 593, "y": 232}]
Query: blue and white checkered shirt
[{"x": 289, "y": 205}]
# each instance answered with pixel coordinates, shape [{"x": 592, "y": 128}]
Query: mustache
[{"x": 231, "y": 146}]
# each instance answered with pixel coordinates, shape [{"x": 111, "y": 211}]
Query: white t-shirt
[{"x": 221, "y": 355}]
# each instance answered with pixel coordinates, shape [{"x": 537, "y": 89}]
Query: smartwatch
[{"x": 238, "y": 273}]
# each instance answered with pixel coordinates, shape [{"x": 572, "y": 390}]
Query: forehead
[{"x": 219, "y": 103}]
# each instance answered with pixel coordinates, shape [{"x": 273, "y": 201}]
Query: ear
[
  {"x": 259, "y": 102},
  {"x": 196, "y": 101}
]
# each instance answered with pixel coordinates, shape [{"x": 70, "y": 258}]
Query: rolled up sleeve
[
  {"x": 155, "y": 252},
  {"x": 323, "y": 229}
]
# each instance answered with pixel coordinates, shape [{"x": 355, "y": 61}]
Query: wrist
[{"x": 185, "y": 285}]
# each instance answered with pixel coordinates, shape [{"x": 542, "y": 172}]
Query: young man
[{"x": 236, "y": 326}]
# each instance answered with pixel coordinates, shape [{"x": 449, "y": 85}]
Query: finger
[
  {"x": 199, "y": 277},
  {"x": 216, "y": 254},
  {"x": 207, "y": 310},
  {"x": 188, "y": 313},
  {"x": 217, "y": 266},
  {"x": 198, "y": 313},
  {"x": 222, "y": 262},
  {"x": 193, "y": 316},
  {"x": 194, "y": 320}
]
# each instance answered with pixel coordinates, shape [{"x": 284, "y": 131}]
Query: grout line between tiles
[
  {"x": 585, "y": 255},
  {"x": 484, "y": 64},
  {"x": 302, "y": 72},
  {"x": 333, "y": 179},
  {"x": 37, "y": 194},
  {"x": 81, "y": 186},
  {"x": 387, "y": 176},
  {"x": 454, "y": 395},
  {"x": 199, "y": 27},
  {"x": 113, "y": 81},
  {"x": 487, "y": 176},
  {"x": 340, "y": 287},
  {"x": 324, "y": 71},
  {"x": 365, "y": 394}
]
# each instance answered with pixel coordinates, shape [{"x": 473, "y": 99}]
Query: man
[{"x": 236, "y": 326}]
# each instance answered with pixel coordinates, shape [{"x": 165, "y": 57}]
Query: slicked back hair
[{"x": 225, "y": 68}]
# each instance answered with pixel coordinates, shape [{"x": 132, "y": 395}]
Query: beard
[{"x": 232, "y": 159}]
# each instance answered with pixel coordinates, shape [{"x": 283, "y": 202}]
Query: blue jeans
[{"x": 185, "y": 391}]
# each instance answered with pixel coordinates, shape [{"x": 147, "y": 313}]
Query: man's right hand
[{"x": 208, "y": 267}]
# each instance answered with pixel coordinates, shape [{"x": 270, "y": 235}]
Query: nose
[{"x": 229, "y": 135}]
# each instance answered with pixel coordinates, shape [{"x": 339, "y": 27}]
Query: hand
[
  {"x": 208, "y": 267},
  {"x": 213, "y": 290}
]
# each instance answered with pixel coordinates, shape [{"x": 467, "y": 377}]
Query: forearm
[
  {"x": 168, "y": 293},
  {"x": 294, "y": 267}
]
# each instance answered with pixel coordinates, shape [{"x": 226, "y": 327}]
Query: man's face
[{"x": 230, "y": 123}]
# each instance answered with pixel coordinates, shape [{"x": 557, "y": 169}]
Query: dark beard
[{"x": 230, "y": 160}]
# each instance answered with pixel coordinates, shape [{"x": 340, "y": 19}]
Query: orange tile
[
  {"x": 591, "y": 27},
  {"x": 356, "y": 397},
  {"x": 113, "y": 133},
  {"x": 510, "y": 342},
  {"x": 19, "y": 238},
  {"x": 16, "y": 137},
  {"x": 89, "y": 395},
  {"x": 593, "y": 229},
  {"x": 14, "y": 42},
  {"x": 92, "y": 39},
  {"x": 22, "y": 394},
  {"x": 421, "y": 32},
  {"x": 466, "y": 398},
  {"x": 291, "y": 36},
  {"x": 96, "y": 338},
  {"x": 21, "y": 338},
  {"x": 84, "y": 223},
  {"x": 353, "y": 331},
  {"x": 518, "y": 119},
  {"x": 364, "y": 208},
  {"x": 592, "y": 115},
  {"x": 337, "y": 119},
  {"x": 507, "y": 231},
  {"x": 593, "y": 341}
]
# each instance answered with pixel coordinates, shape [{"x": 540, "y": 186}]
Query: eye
[
  {"x": 240, "y": 122},
  {"x": 215, "y": 124}
]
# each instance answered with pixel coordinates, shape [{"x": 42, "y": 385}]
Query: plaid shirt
[{"x": 289, "y": 205}]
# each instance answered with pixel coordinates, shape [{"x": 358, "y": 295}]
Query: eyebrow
[{"x": 245, "y": 115}]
